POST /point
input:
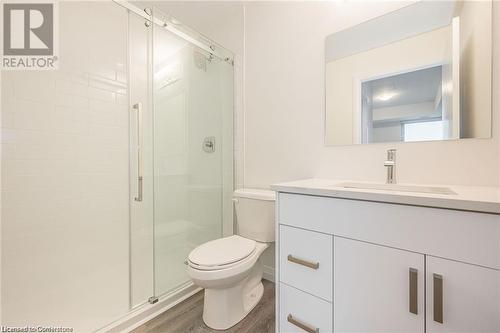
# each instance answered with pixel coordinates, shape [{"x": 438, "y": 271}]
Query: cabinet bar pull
[
  {"x": 438, "y": 298},
  {"x": 138, "y": 108},
  {"x": 413, "y": 281},
  {"x": 313, "y": 265},
  {"x": 301, "y": 325}
]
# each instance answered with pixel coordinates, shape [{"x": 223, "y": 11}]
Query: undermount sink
[{"x": 397, "y": 187}]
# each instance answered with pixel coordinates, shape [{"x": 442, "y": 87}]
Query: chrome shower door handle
[
  {"x": 138, "y": 109},
  {"x": 139, "y": 189}
]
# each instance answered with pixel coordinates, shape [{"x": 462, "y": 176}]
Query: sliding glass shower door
[
  {"x": 192, "y": 98},
  {"x": 181, "y": 156},
  {"x": 140, "y": 38}
]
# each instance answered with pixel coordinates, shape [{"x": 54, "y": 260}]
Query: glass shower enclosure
[{"x": 181, "y": 180}]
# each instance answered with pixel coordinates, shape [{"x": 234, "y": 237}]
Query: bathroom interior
[{"x": 250, "y": 166}]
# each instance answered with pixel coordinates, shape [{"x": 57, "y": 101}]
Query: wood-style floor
[{"x": 186, "y": 317}]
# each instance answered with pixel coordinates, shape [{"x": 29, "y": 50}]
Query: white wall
[{"x": 284, "y": 109}]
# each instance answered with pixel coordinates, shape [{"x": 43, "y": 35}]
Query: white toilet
[{"x": 230, "y": 268}]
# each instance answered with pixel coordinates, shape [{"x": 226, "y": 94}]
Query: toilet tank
[{"x": 255, "y": 214}]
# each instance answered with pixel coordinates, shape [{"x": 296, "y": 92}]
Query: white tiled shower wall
[{"x": 65, "y": 178}]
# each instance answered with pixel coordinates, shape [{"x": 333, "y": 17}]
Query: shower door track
[{"x": 217, "y": 51}]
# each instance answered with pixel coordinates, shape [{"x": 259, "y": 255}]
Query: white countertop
[{"x": 471, "y": 198}]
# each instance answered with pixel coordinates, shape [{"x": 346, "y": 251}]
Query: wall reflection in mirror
[{"x": 420, "y": 73}]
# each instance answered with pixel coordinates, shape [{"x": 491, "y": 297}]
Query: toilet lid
[{"x": 222, "y": 251}]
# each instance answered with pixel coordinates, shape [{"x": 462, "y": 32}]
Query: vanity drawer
[
  {"x": 301, "y": 312},
  {"x": 306, "y": 261}
]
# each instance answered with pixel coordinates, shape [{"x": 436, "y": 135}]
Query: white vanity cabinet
[
  {"x": 467, "y": 297},
  {"x": 377, "y": 288},
  {"x": 359, "y": 266}
]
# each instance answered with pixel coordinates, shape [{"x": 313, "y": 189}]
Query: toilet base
[{"x": 224, "y": 308}]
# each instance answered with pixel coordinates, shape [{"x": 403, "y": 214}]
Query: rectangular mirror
[{"x": 420, "y": 73}]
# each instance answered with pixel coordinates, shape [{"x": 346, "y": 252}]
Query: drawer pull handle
[
  {"x": 438, "y": 298},
  {"x": 313, "y": 265},
  {"x": 413, "y": 290},
  {"x": 301, "y": 325}
]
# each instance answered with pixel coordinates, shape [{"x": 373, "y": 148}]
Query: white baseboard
[
  {"x": 146, "y": 312},
  {"x": 268, "y": 273}
]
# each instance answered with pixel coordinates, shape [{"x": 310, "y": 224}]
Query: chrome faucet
[{"x": 390, "y": 164}]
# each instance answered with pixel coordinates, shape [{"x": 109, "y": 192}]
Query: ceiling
[{"x": 402, "y": 89}]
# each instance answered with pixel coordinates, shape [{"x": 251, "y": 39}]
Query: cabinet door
[
  {"x": 377, "y": 289},
  {"x": 462, "y": 298}
]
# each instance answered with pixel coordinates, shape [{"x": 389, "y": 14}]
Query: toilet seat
[
  {"x": 225, "y": 275},
  {"x": 222, "y": 253}
]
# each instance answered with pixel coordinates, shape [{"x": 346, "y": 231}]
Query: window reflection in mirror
[{"x": 420, "y": 73}]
